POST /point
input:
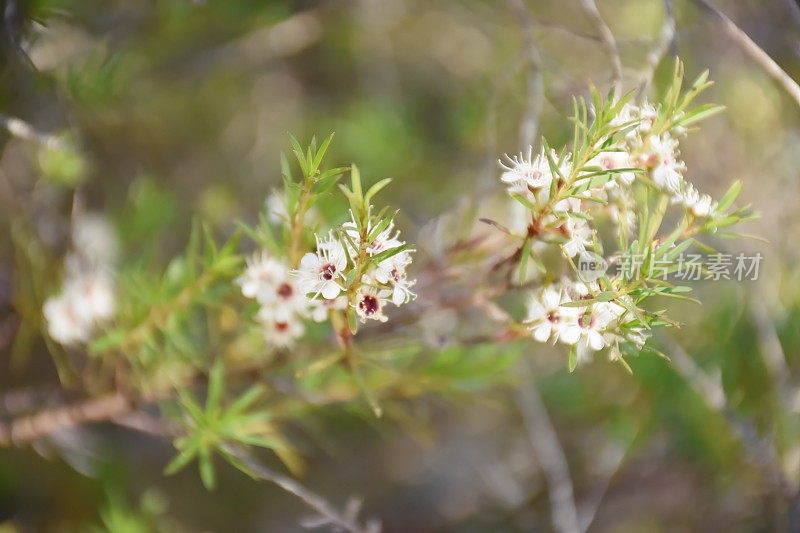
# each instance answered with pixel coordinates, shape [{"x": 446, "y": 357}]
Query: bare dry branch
[
  {"x": 610, "y": 44},
  {"x": 341, "y": 520},
  {"x": 661, "y": 46},
  {"x": 22, "y": 130},
  {"x": 755, "y": 52},
  {"x": 544, "y": 441},
  {"x": 535, "y": 92},
  {"x": 36, "y": 426},
  {"x": 760, "y": 449}
]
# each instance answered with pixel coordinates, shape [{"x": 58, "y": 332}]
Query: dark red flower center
[
  {"x": 328, "y": 271},
  {"x": 281, "y": 326},
  {"x": 285, "y": 291},
  {"x": 369, "y": 304}
]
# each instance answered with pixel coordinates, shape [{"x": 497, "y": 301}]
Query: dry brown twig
[
  {"x": 544, "y": 441},
  {"x": 346, "y": 521},
  {"x": 607, "y": 38},
  {"x": 755, "y": 52},
  {"x": 665, "y": 38},
  {"x": 22, "y": 130}
]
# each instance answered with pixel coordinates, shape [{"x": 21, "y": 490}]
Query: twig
[
  {"x": 33, "y": 427},
  {"x": 610, "y": 44},
  {"x": 755, "y": 52},
  {"x": 535, "y": 92},
  {"x": 590, "y": 507},
  {"x": 22, "y": 130},
  {"x": 708, "y": 387},
  {"x": 290, "y": 485},
  {"x": 771, "y": 350},
  {"x": 544, "y": 441},
  {"x": 661, "y": 47},
  {"x": 761, "y": 450}
]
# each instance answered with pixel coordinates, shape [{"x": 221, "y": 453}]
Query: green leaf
[
  {"x": 572, "y": 361},
  {"x": 730, "y": 196},
  {"x": 523, "y": 260},
  {"x": 299, "y": 155},
  {"x": 216, "y": 387},
  {"x": 355, "y": 181},
  {"x": 524, "y": 201},
  {"x": 315, "y": 164},
  {"x": 391, "y": 252},
  {"x": 375, "y": 189},
  {"x": 207, "y": 468},
  {"x": 183, "y": 458}
]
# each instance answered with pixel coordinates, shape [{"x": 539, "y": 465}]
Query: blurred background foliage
[{"x": 181, "y": 108}]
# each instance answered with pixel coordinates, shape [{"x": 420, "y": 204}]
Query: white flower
[
  {"x": 546, "y": 315},
  {"x": 85, "y": 301},
  {"x": 282, "y": 334},
  {"x": 587, "y": 331},
  {"x": 317, "y": 309},
  {"x": 278, "y": 214},
  {"x": 93, "y": 296},
  {"x": 94, "y": 239},
  {"x": 64, "y": 324},
  {"x": 622, "y": 209},
  {"x": 385, "y": 240},
  {"x": 630, "y": 113},
  {"x": 523, "y": 173},
  {"x": 319, "y": 272},
  {"x": 262, "y": 275},
  {"x": 276, "y": 208},
  {"x": 392, "y": 271},
  {"x": 613, "y": 161},
  {"x": 700, "y": 205},
  {"x": 369, "y": 303},
  {"x": 284, "y": 302},
  {"x": 569, "y": 204},
  {"x": 579, "y": 236},
  {"x": 662, "y": 160}
]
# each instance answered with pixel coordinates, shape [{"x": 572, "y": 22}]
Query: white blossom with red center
[{"x": 320, "y": 273}]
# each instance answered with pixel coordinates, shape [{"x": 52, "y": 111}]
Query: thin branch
[
  {"x": 292, "y": 486},
  {"x": 609, "y": 43},
  {"x": 544, "y": 441},
  {"x": 22, "y": 130},
  {"x": 535, "y": 92},
  {"x": 591, "y": 505},
  {"x": 755, "y": 52},
  {"x": 760, "y": 450},
  {"x": 771, "y": 349},
  {"x": 708, "y": 387},
  {"x": 36, "y": 426},
  {"x": 665, "y": 39}
]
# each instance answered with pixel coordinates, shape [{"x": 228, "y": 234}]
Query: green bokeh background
[{"x": 182, "y": 108}]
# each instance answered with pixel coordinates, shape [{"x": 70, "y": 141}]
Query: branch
[
  {"x": 535, "y": 97},
  {"x": 545, "y": 444},
  {"x": 607, "y": 38},
  {"x": 22, "y": 130},
  {"x": 36, "y": 426},
  {"x": 318, "y": 503},
  {"x": 772, "y": 351},
  {"x": 662, "y": 44},
  {"x": 755, "y": 52},
  {"x": 761, "y": 450}
]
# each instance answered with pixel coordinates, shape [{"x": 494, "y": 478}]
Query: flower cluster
[
  {"x": 658, "y": 154},
  {"x": 282, "y": 306},
  {"x": 624, "y": 156},
  {"x": 557, "y": 313},
  {"x": 366, "y": 263},
  {"x": 86, "y": 299}
]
